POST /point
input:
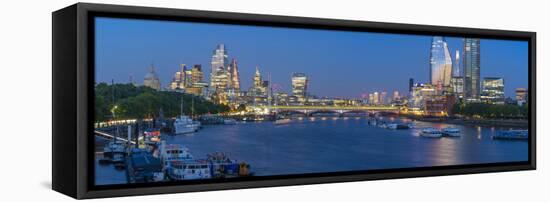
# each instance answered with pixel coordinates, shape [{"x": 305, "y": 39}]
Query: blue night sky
[{"x": 338, "y": 63}]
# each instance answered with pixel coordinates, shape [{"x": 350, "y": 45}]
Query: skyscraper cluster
[{"x": 224, "y": 76}]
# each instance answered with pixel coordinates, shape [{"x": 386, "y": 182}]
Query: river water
[{"x": 331, "y": 144}]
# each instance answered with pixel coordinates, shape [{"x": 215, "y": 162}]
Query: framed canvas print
[{"x": 155, "y": 100}]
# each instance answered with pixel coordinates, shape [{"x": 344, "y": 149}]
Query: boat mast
[
  {"x": 181, "y": 105},
  {"x": 192, "y": 106},
  {"x": 113, "y": 101}
]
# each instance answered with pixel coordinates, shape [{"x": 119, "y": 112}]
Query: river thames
[{"x": 331, "y": 144}]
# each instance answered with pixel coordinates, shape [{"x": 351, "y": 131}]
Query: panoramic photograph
[{"x": 179, "y": 101}]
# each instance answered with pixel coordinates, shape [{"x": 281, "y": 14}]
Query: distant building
[
  {"x": 151, "y": 79},
  {"x": 522, "y": 96},
  {"x": 219, "y": 62},
  {"x": 457, "y": 85},
  {"x": 395, "y": 95},
  {"x": 420, "y": 93},
  {"x": 440, "y": 62},
  {"x": 383, "y": 97},
  {"x": 471, "y": 63},
  {"x": 493, "y": 90},
  {"x": 439, "y": 105},
  {"x": 220, "y": 82},
  {"x": 178, "y": 81},
  {"x": 197, "y": 75},
  {"x": 299, "y": 87},
  {"x": 411, "y": 84},
  {"x": 376, "y": 98},
  {"x": 233, "y": 70},
  {"x": 457, "y": 69}
]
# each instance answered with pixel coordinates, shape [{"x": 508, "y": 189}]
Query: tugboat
[
  {"x": 223, "y": 166},
  {"x": 431, "y": 132},
  {"x": 512, "y": 135},
  {"x": 451, "y": 132}
]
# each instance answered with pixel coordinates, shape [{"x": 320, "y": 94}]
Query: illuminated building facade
[
  {"x": 493, "y": 90},
  {"x": 233, "y": 70},
  {"x": 521, "y": 96},
  {"x": 471, "y": 63},
  {"x": 151, "y": 79},
  {"x": 299, "y": 87},
  {"x": 219, "y": 62},
  {"x": 439, "y": 105},
  {"x": 420, "y": 93},
  {"x": 457, "y": 85},
  {"x": 440, "y": 62},
  {"x": 179, "y": 79}
]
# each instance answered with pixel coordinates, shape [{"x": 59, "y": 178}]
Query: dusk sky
[{"x": 338, "y": 63}]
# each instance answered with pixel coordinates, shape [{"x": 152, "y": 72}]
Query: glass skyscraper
[
  {"x": 441, "y": 62},
  {"x": 471, "y": 63},
  {"x": 219, "y": 61},
  {"x": 299, "y": 86}
]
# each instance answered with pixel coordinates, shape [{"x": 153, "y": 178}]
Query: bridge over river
[{"x": 340, "y": 110}]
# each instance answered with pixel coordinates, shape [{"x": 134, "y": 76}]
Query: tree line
[
  {"x": 127, "y": 101},
  {"x": 494, "y": 111}
]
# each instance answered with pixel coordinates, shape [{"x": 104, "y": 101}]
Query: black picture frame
[{"x": 73, "y": 86}]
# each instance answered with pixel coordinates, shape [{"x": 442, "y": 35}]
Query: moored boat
[
  {"x": 512, "y": 135},
  {"x": 430, "y": 132},
  {"x": 184, "y": 124},
  {"x": 282, "y": 121},
  {"x": 229, "y": 121},
  {"x": 188, "y": 170},
  {"x": 451, "y": 132}
]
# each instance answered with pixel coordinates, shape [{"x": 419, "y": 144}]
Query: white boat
[
  {"x": 282, "y": 121},
  {"x": 451, "y": 132},
  {"x": 431, "y": 132},
  {"x": 229, "y": 121},
  {"x": 512, "y": 135},
  {"x": 174, "y": 152},
  {"x": 184, "y": 124},
  {"x": 189, "y": 170}
]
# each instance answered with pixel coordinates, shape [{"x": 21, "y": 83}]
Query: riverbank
[{"x": 519, "y": 123}]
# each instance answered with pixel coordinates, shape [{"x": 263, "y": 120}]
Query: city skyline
[{"x": 329, "y": 71}]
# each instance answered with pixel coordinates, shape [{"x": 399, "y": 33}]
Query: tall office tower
[
  {"x": 151, "y": 79},
  {"x": 219, "y": 59},
  {"x": 493, "y": 90},
  {"x": 456, "y": 65},
  {"x": 376, "y": 98},
  {"x": 440, "y": 62},
  {"x": 383, "y": 97},
  {"x": 411, "y": 84},
  {"x": 371, "y": 98},
  {"x": 178, "y": 81},
  {"x": 258, "y": 88},
  {"x": 233, "y": 69},
  {"x": 196, "y": 74},
  {"x": 471, "y": 62},
  {"x": 299, "y": 86}
]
